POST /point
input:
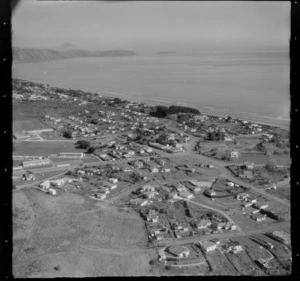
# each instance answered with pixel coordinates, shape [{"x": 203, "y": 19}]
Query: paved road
[{"x": 275, "y": 226}]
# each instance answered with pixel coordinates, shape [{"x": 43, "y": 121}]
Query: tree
[
  {"x": 67, "y": 134},
  {"x": 91, "y": 149},
  {"x": 271, "y": 167},
  {"x": 83, "y": 144},
  {"x": 161, "y": 111},
  {"x": 94, "y": 121}
]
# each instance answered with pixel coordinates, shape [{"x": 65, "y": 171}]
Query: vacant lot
[
  {"x": 255, "y": 158},
  {"x": 283, "y": 159},
  {"x": 44, "y": 148},
  {"x": 77, "y": 237},
  {"x": 28, "y": 124},
  {"x": 282, "y": 192},
  {"x": 220, "y": 264}
]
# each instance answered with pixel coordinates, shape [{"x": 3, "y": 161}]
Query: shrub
[
  {"x": 67, "y": 134},
  {"x": 91, "y": 149},
  {"x": 83, "y": 144}
]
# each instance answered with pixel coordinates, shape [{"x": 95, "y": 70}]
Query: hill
[
  {"x": 35, "y": 55},
  {"x": 166, "y": 53}
]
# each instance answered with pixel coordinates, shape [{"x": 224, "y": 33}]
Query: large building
[
  {"x": 34, "y": 163},
  {"x": 71, "y": 155}
]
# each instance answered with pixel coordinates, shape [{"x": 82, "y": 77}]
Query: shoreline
[{"x": 204, "y": 109}]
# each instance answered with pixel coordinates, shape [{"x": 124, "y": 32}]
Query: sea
[{"x": 249, "y": 86}]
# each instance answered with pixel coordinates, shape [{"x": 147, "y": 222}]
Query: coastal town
[{"x": 174, "y": 190}]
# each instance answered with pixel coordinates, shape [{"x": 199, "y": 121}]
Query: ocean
[{"x": 252, "y": 86}]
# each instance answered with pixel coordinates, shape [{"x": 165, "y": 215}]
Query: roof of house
[
  {"x": 177, "y": 249},
  {"x": 207, "y": 244}
]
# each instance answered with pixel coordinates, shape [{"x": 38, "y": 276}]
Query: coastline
[{"x": 245, "y": 116}]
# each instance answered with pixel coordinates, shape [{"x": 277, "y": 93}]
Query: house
[
  {"x": 153, "y": 218},
  {"x": 166, "y": 170},
  {"x": 227, "y": 138},
  {"x": 250, "y": 200},
  {"x": 113, "y": 180},
  {"x": 246, "y": 205},
  {"x": 180, "y": 187},
  {"x": 138, "y": 164},
  {"x": 228, "y": 225},
  {"x": 233, "y": 246},
  {"x": 210, "y": 192},
  {"x": 242, "y": 196},
  {"x": 236, "y": 247},
  {"x": 52, "y": 191},
  {"x": 101, "y": 196},
  {"x": 153, "y": 169},
  {"x": 234, "y": 154},
  {"x": 230, "y": 184},
  {"x": 57, "y": 182},
  {"x": 181, "y": 227},
  {"x": 208, "y": 246},
  {"x": 216, "y": 241},
  {"x": 81, "y": 172},
  {"x": 246, "y": 174},
  {"x": 148, "y": 188},
  {"x": 258, "y": 217},
  {"x": 186, "y": 194},
  {"x": 144, "y": 203},
  {"x": 260, "y": 205},
  {"x": 248, "y": 166},
  {"x": 203, "y": 224},
  {"x": 150, "y": 194},
  {"x": 45, "y": 184},
  {"x": 179, "y": 251},
  {"x": 221, "y": 225}
]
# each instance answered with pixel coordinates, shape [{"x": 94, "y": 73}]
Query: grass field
[
  {"x": 283, "y": 159},
  {"x": 44, "y": 148},
  {"x": 282, "y": 192},
  {"x": 28, "y": 124},
  {"x": 252, "y": 158},
  {"x": 77, "y": 237}
]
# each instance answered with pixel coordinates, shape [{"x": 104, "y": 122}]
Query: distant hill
[
  {"x": 35, "y": 55},
  {"x": 166, "y": 53},
  {"x": 66, "y": 47}
]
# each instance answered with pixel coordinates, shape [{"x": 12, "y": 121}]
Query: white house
[{"x": 208, "y": 246}]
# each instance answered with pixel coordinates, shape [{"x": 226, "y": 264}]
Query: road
[
  {"x": 211, "y": 208},
  {"x": 220, "y": 165},
  {"x": 270, "y": 228},
  {"x": 187, "y": 265}
]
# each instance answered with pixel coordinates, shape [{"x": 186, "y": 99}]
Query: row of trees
[{"x": 164, "y": 111}]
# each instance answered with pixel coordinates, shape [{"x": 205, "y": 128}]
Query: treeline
[{"x": 164, "y": 111}]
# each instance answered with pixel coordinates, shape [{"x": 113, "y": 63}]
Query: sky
[{"x": 151, "y": 26}]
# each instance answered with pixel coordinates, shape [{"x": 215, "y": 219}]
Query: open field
[
  {"x": 282, "y": 159},
  {"x": 73, "y": 236},
  {"x": 28, "y": 124},
  {"x": 44, "y": 148},
  {"x": 255, "y": 158},
  {"x": 282, "y": 192},
  {"x": 220, "y": 264}
]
